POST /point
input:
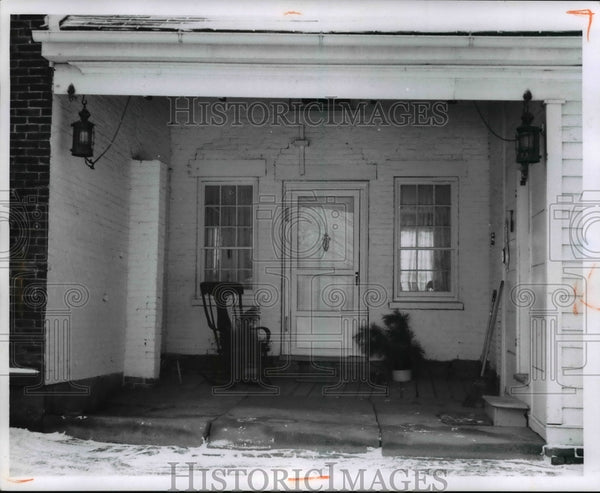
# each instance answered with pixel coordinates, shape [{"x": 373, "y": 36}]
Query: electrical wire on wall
[
  {"x": 488, "y": 126},
  {"x": 89, "y": 162}
]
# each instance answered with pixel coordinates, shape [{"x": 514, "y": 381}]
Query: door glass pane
[{"x": 325, "y": 230}]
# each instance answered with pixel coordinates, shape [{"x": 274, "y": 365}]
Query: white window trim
[
  {"x": 199, "y": 267},
  {"x": 429, "y": 300}
]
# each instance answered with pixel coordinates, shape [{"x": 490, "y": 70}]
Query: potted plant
[{"x": 395, "y": 343}]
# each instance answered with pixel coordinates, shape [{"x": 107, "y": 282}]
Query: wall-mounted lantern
[
  {"x": 527, "y": 140},
  {"x": 83, "y": 134}
]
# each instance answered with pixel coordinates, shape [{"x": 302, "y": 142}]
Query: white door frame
[{"x": 362, "y": 187}]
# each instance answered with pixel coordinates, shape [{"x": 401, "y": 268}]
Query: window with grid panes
[
  {"x": 228, "y": 233},
  {"x": 425, "y": 238}
]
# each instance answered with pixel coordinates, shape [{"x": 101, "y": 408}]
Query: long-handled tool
[
  {"x": 490, "y": 329},
  {"x": 478, "y": 387}
]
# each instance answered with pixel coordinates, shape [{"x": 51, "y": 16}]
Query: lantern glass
[
  {"x": 528, "y": 144},
  {"x": 83, "y": 139}
]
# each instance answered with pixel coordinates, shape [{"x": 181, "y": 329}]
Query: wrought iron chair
[{"x": 242, "y": 345}]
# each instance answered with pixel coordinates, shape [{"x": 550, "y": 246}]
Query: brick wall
[
  {"x": 30, "y": 120},
  {"x": 445, "y": 334}
]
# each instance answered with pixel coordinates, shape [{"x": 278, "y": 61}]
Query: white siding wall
[
  {"x": 89, "y": 232},
  {"x": 394, "y": 151}
]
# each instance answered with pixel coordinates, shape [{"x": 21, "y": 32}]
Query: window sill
[{"x": 426, "y": 305}]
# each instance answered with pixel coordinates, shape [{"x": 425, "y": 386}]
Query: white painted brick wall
[
  {"x": 89, "y": 224},
  {"x": 444, "y": 334},
  {"x": 145, "y": 268}
]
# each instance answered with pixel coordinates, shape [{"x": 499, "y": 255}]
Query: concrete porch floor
[{"x": 421, "y": 418}]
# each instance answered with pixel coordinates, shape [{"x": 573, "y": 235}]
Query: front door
[{"x": 326, "y": 228}]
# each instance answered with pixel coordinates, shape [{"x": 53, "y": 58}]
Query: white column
[
  {"x": 554, "y": 171},
  {"x": 147, "y": 224}
]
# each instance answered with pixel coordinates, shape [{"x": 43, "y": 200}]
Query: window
[
  {"x": 227, "y": 238},
  {"x": 426, "y": 239}
]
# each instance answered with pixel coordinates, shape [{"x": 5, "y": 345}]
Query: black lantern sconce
[
  {"x": 83, "y": 134},
  {"x": 527, "y": 140}
]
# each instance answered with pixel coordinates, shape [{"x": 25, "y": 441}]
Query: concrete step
[
  {"x": 460, "y": 442},
  {"x": 333, "y": 425},
  {"x": 506, "y": 410},
  {"x": 184, "y": 431}
]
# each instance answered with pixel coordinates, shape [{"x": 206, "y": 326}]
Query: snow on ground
[{"x": 39, "y": 455}]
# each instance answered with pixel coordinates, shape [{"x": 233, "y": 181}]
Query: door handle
[
  {"x": 325, "y": 242},
  {"x": 357, "y": 278}
]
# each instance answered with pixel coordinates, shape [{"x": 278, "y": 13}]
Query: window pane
[
  {"x": 245, "y": 237},
  {"x": 442, "y": 194},
  {"x": 228, "y": 237},
  {"x": 244, "y": 216},
  {"x": 425, "y": 237},
  {"x": 408, "y": 259},
  {"x": 228, "y": 195},
  {"x": 228, "y": 216},
  {"x": 425, "y": 194},
  {"x": 425, "y": 216},
  {"x": 227, "y": 276},
  {"x": 408, "y": 216},
  {"x": 442, "y": 281},
  {"x": 442, "y": 259},
  {"x": 408, "y": 194},
  {"x": 228, "y": 259},
  {"x": 408, "y": 237},
  {"x": 425, "y": 260},
  {"x": 442, "y": 237},
  {"x": 211, "y": 237},
  {"x": 425, "y": 280},
  {"x": 408, "y": 280},
  {"x": 211, "y": 216},
  {"x": 442, "y": 216},
  {"x": 211, "y": 194},
  {"x": 210, "y": 259},
  {"x": 211, "y": 275},
  {"x": 245, "y": 195}
]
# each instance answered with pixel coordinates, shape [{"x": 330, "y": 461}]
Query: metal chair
[{"x": 242, "y": 346}]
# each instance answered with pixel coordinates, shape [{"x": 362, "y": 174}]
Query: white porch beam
[{"x": 316, "y": 81}]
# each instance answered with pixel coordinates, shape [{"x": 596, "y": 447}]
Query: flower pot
[{"x": 402, "y": 375}]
